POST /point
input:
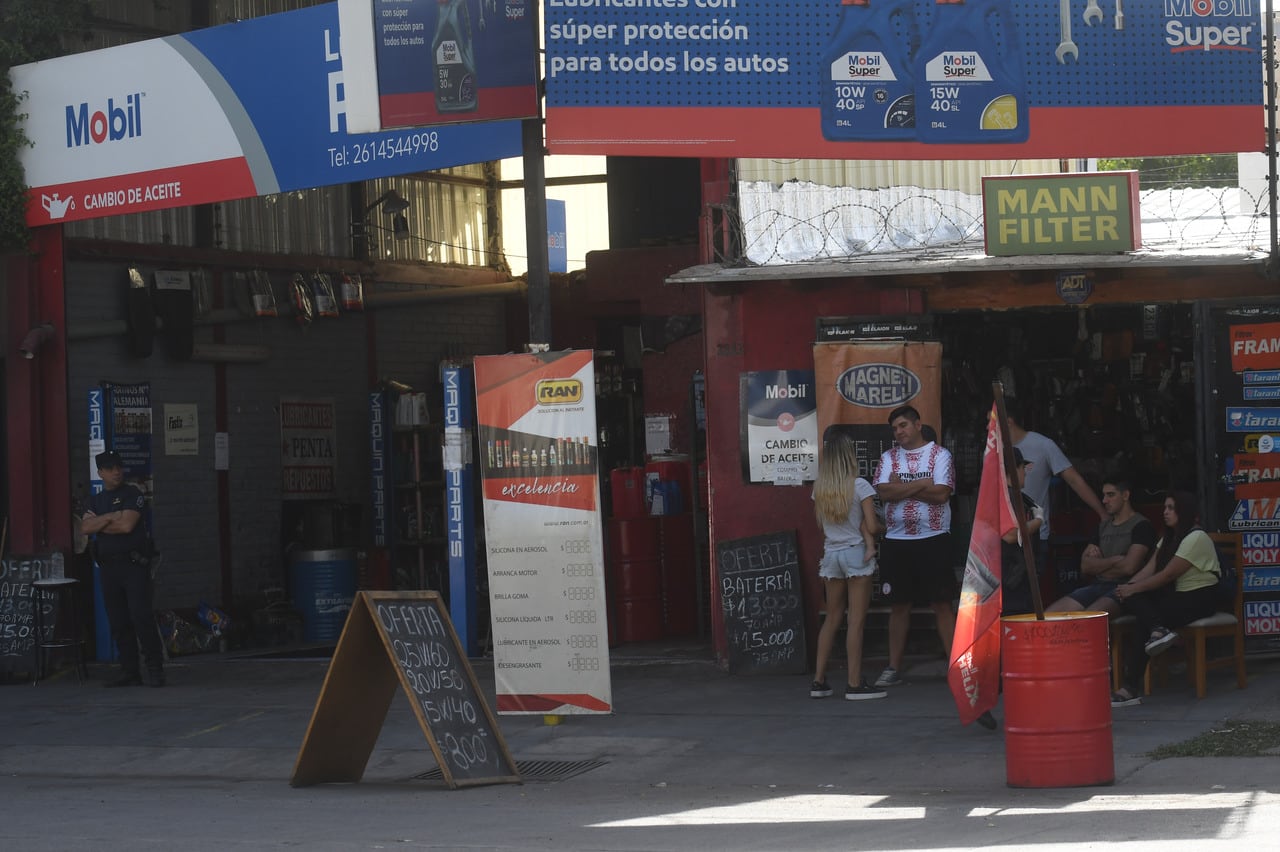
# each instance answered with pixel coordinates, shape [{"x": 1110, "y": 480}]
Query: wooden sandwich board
[{"x": 403, "y": 637}]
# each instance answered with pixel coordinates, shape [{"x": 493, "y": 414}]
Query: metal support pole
[
  {"x": 1270, "y": 54},
  {"x": 535, "y": 219}
]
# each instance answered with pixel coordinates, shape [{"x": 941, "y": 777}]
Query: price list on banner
[{"x": 536, "y": 420}]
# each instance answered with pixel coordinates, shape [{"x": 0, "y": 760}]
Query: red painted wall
[
  {"x": 38, "y": 470},
  {"x": 629, "y": 283},
  {"x": 770, "y": 326}
]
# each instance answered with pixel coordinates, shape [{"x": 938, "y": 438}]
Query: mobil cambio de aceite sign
[
  {"x": 251, "y": 108},
  {"x": 906, "y": 80},
  {"x": 779, "y": 426}
]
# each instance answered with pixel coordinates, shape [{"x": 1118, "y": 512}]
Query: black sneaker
[
  {"x": 1161, "y": 640},
  {"x": 862, "y": 692},
  {"x": 819, "y": 689},
  {"x": 987, "y": 721},
  {"x": 1124, "y": 698},
  {"x": 124, "y": 679}
]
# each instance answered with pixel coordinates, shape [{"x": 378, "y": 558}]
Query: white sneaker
[{"x": 888, "y": 677}]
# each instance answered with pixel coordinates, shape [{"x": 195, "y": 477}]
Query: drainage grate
[{"x": 535, "y": 770}]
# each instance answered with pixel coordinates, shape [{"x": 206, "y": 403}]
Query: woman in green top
[{"x": 1173, "y": 589}]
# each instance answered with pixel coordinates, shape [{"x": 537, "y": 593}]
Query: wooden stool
[{"x": 64, "y": 627}]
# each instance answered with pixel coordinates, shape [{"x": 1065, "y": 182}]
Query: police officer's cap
[{"x": 108, "y": 460}]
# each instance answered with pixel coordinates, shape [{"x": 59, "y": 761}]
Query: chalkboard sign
[
  {"x": 17, "y": 619},
  {"x": 405, "y": 638},
  {"x": 762, "y": 602}
]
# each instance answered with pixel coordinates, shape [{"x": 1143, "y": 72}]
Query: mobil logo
[
  {"x": 1208, "y": 8},
  {"x": 878, "y": 385},
  {"x": 1237, "y": 31},
  {"x": 110, "y": 122},
  {"x": 960, "y": 65}
]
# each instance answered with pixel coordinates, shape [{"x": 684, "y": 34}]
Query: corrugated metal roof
[{"x": 961, "y": 175}]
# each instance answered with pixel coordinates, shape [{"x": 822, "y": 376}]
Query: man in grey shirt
[
  {"x": 1047, "y": 461},
  {"x": 1121, "y": 547}
]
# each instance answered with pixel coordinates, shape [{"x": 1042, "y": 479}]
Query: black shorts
[{"x": 918, "y": 571}]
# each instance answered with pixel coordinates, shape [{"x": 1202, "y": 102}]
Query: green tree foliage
[
  {"x": 1201, "y": 170},
  {"x": 30, "y": 30}
]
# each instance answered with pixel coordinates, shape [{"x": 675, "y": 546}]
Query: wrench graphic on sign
[{"x": 1064, "y": 28}]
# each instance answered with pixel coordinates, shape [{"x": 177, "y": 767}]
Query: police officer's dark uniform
[{"x": 123, "y": 551}]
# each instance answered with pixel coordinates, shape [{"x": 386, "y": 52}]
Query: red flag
[{"x": 974, "y": 673}]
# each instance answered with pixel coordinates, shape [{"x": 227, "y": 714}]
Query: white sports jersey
[{"x": 914, "y": 519}]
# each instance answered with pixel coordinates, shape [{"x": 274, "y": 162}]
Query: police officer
[{"x": 123, "y": 552}]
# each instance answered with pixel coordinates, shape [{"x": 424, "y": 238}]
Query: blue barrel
[{"x": 323, "y": 584}]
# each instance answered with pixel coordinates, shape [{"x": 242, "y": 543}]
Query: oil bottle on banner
[
  {"x": 969, "y": 82},
  {"x": 868, "y": 92},
  {"x": 454, "y": 57}
]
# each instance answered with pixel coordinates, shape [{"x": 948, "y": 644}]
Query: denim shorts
[
  {"x": 845, "y": 562},
  {"x": 1087, "y": 596}
]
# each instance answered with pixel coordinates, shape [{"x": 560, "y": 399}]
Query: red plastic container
[
  {"x": 1057, "y": 700},
  {"x": 673, "y": 468},
  {"x": 626, "y": 485}
]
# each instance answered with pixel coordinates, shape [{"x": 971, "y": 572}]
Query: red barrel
[
  {"x": 626, "y": 485},
  {"x": 1057, "y": 700},
  {"x": 635, "y": 578}
]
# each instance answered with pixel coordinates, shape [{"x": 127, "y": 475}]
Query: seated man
[{"x": 1122, "y": 546}]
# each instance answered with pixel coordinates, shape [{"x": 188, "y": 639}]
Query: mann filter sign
[{"x": 1061, "y": 214}]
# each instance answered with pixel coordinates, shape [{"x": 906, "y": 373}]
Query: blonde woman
[{"x": 844, "y": 504}]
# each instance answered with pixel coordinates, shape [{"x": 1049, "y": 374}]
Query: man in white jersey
[{"x": 915, "y": 480}]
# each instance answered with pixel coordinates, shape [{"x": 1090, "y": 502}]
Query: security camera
[{"x": 36, "y": 338}]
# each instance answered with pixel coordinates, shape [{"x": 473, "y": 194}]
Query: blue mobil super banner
[
  {"x": 251, "y": 108},
  {"x": 895, "y": 79},
  {"x": 455, "y": 60}
]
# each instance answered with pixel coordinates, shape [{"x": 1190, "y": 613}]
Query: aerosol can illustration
[
  {"x": 454, "y": 58},
  {"x": 868, "y": 91},
  {"x": 969, "y": 80}
]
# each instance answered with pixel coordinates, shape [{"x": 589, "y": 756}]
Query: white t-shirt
[
  {"x": 914, "y": 519},
  {"x": 848, "y": 533},
  {"x": 1047, "y": 461}
]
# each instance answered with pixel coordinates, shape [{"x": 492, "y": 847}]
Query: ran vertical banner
[{"x": 537, "y": 420}]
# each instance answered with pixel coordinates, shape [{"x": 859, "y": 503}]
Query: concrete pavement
[{"x": 688, "y": 746}]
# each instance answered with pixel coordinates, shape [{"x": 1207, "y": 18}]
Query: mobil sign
[{"x": 252, "y": 108}]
